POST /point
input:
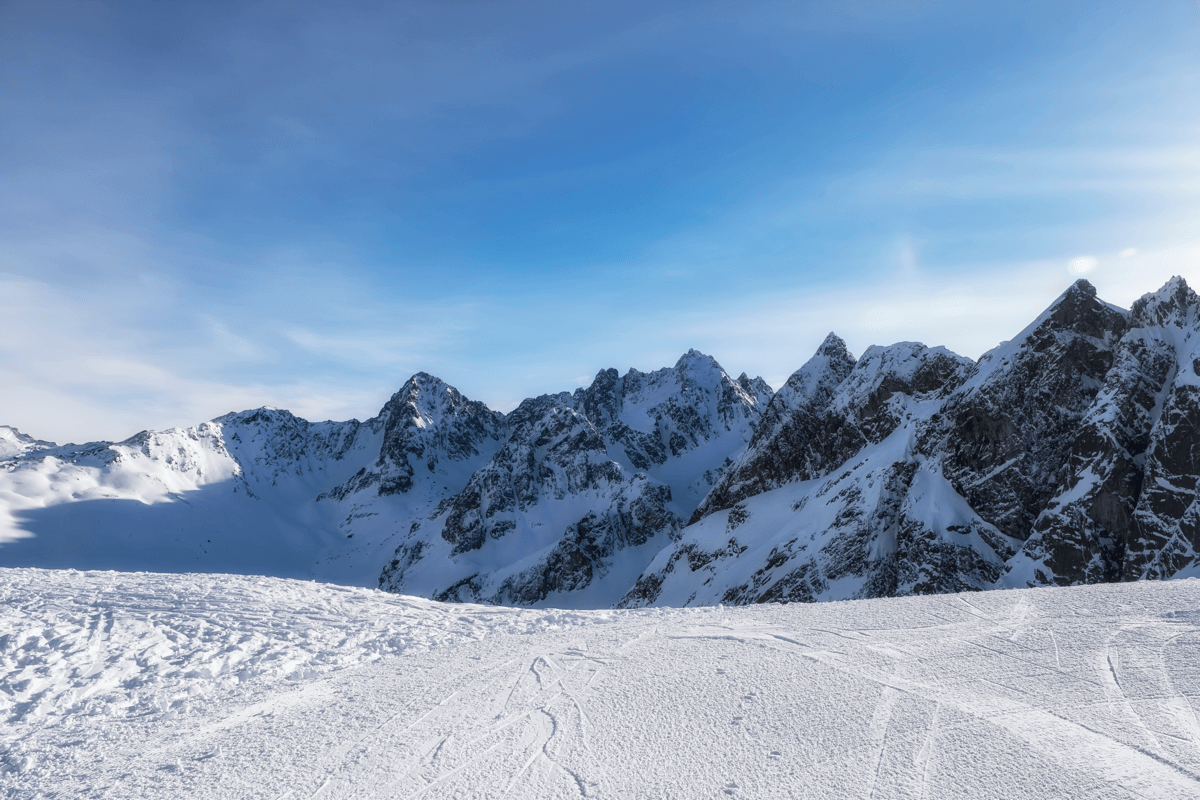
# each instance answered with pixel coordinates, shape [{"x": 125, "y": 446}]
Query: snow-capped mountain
[
  {"x": 259, "y": 491},
  {"x": 1063, "y": 456},
  {"x": 567, "y": 492},
  {"x": 1068, "y": 455},
  {"x": 587, "y": 489}
]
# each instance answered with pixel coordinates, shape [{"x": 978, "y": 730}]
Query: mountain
[
  {"x": 1061, "y": 457},
  {"x": 259, "y": 491},
  {"x": 1068, "y": 455},
  {"x": 590, "y": 485},
  {"x": 586, "y": 490}
]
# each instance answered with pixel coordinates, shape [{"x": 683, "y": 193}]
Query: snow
[
  {"x": 14, "y": 443},
  {"x": 253, "y": 492},
  {"x": 194, "y": 686}
]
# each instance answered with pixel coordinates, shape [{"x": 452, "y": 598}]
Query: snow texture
[{"x": 218, "y": 686}]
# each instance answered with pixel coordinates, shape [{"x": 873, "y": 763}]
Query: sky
[{"x": 210, "y": 206}]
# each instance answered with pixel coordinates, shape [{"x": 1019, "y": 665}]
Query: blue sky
[{"x": 213, "y": 206}]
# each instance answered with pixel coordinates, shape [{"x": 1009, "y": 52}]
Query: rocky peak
[
  {"x": 13, "y": 443},
  {"x": 834, "y": 347},
  {"x": 1007, "y": 431},
  {"x": 421, "y": 397},
  {"x": 908, "y": 368},
  {"x": 786, "y": 439},
  {"x": 266, "y": 417},
  {"x": 553, "y": 452},
  {"x": 601, "y": 402},
  {"x": 693, "y": 361},
  {"x": 523, "y": 419},
  {"x": 1174, "y": 304},
  {"x": 814, "y": 383},
  {"x": 427, "y": 422},
  {"x": 756, "y": 388},
  {"x": 261, "y": 435},
  {"x": 1078, "y": 312}
]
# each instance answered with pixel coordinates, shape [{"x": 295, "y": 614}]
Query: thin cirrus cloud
[{"x": 212, "y": 206}]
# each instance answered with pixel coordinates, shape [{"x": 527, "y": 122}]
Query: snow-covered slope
[
  {"x": 587, "y": 489},
  {"x": 259, "y": 491},
  {"x": 218, "y": 686},
  {"x": 1070, "y": 454}
]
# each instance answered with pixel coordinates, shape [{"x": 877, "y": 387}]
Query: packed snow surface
[{"x": 191, "y": 686}]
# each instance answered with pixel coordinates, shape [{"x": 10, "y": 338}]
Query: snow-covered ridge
[
  {"x": 586, "y": 489},
  {"x": 1066, "y": 455},
  {"x": 264, "y": 491}
]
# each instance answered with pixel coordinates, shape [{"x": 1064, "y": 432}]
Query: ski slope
[{"x": 198, "y": 686}]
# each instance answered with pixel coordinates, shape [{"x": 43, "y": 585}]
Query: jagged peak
[
  {"x": 828, "y": 367},
  {"x": 608, "y": 375},
  {"x": 262, "y": 413},
  {"x": 426, "y": 382},
  {"x": 834, "y": 346},
  {"x": 1174, "y": 303},
  {"x": 1077, "y": 309},
  {"x": 908, "y": 366},
  {"x": 11, "y": 432},
  {"x": 1075, "y": 313},
  {"x": 421, "y": 386},
  {"x": 694, "y": 359},
  {"x": 1080, "y": 287},
  {"x": 13, "y": 442},
  {"x": 1174, "y": 283},
  {"x": 833, "y": 354}
]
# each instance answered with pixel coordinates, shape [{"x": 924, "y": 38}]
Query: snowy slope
[
  {"x": 588, "y": 488},
  {"x": 257, "y": 492},
  {"x": 205, "y": 686},
  {"x": 1068, "y": 455}
]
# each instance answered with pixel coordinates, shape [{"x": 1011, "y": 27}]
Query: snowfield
[{"x": 162, "y": 686}]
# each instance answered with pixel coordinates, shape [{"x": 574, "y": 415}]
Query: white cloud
[
  {"x": 103, "y": 364},
  {"x": 969, "y": 312},
  {"x": 80, "y": 366},
  {"x": 1081, "y": 265}
]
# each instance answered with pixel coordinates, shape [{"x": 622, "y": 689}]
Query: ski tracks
[{"x": 518, "y": 728}]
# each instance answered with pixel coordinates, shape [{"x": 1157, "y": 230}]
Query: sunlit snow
[{"x": 192, "y": 686}]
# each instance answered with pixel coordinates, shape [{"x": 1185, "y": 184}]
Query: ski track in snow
[{"x": 198, "y": 686}]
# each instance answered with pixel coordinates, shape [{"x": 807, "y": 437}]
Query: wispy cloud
[
  {"x": 297, "y": 204},
  {"x": 107, "y": 366},
  {"x": 969, "y": 312}
]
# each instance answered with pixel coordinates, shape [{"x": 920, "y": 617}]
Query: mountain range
[{"x": 1068, "y": 455}]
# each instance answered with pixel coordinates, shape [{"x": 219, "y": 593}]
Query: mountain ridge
[{"x": 1062, "y": 456}]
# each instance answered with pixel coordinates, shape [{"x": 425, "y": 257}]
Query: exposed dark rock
[{"x": 1004, "y": 437}]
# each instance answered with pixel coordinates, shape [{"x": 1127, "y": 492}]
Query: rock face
[
  {"x": 788, "y": 444},
  {"x": 1068, "y": 455},
  {"x": 585, "y": 490},
  {"x": 1125, "y": 507}
]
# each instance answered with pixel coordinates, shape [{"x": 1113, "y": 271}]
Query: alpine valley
[{"x": 1068, "y": 455}]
